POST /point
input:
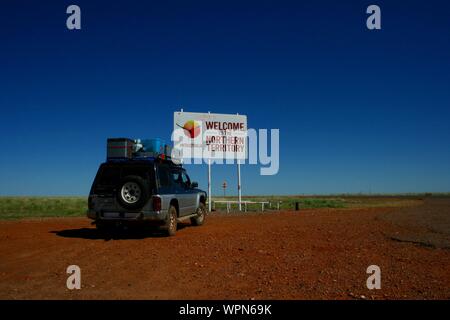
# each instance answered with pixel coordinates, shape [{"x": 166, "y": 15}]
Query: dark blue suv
[{"x": 145, "y": 190}]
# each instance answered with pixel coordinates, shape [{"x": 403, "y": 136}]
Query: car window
[
  {"x": 142, "y": 171},
  {"x": 176, "y": 177},
  {"x": 186, "y": 180},
  {"x": 164, "y": 178},
  {"x": 108, "y": 176}
]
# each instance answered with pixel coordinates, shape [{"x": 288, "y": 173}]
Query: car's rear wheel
[
  {"x": 171, "y": 223},
  {"x": 201, "y": 214}
]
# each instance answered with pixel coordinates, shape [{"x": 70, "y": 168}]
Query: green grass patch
[
  {"x": 317, "y": 202},
  {"x": 286, "y": 203},
  {"x": 37, "y": 207}
]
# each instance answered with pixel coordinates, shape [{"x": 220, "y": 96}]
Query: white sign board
[{"x": 210, "y": 135}]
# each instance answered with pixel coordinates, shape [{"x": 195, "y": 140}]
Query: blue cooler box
[{"x": 153, "y": 145}]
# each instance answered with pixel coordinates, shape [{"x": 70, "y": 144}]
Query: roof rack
[{"x": 126, "y": 149}]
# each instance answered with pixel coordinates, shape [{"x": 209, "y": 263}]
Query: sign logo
[{"x": 191, "y": 128}]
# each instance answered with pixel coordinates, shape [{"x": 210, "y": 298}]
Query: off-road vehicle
[{"x": 150, "y": 190}]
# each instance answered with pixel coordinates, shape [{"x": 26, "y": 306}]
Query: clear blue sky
[{"x": 357, "y": 110}]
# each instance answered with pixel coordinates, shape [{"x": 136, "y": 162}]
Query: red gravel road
[{"x": 311, "y": 254}]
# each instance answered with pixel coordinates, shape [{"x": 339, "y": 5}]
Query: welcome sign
[{"x": 210, "y": 135}]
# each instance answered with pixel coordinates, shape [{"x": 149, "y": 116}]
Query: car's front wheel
[{"x": 201, "y": 214}]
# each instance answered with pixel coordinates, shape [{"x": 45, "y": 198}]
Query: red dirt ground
[{"x": 311, "y": 254}]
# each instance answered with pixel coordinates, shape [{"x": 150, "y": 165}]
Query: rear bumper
[{"x": 126, "y": 216}]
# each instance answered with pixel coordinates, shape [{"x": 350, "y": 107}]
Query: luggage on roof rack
[
  {"x": 119, "y": 148},
  {"x": 128, "y": 149}
]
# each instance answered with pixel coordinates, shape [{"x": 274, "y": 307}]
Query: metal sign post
[
  {"x": 239, "y": 185},
  {"x": 224, "y": 186},
  {"x": 209, "y": 185}
]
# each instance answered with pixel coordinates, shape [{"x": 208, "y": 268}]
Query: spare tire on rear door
[{"x": 133, "y": 192}]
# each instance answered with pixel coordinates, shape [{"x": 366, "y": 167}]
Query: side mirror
[{"x": 194, "y": 184}]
